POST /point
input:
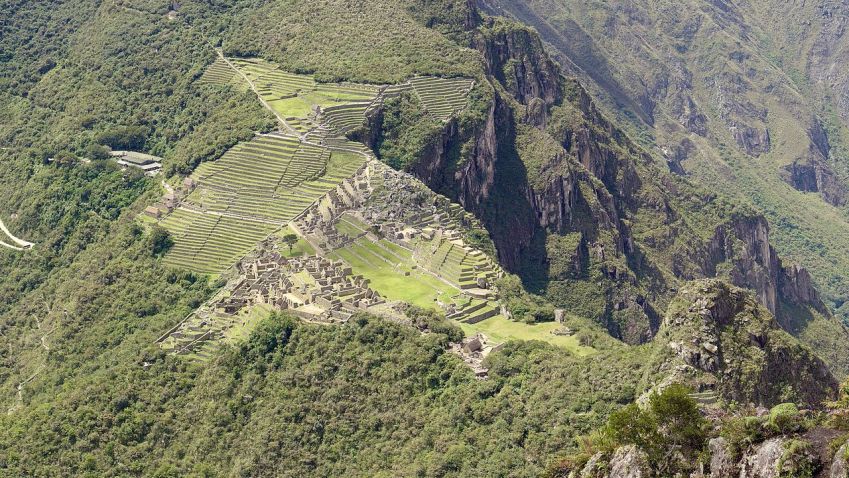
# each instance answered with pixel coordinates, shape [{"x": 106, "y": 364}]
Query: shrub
[
  {"x": 784, "y": 418},
  {"x": 671, "y": 422},
  {"x": 797, "y": 460},
  {"x": 742, "y": 432}
]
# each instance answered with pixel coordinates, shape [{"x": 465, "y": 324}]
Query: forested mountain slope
[{"x": 589, "y": 218}]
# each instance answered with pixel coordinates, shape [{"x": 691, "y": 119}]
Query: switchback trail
[{"x": 20, "y": 242}]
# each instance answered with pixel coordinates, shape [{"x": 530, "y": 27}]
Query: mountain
[
  {"x": 592, "y": 220},
  {"x": 727, "y": 99},
  {"x": 402, "y": 239}
]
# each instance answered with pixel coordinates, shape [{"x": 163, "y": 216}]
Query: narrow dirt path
[{"x": 42, "y": 343}]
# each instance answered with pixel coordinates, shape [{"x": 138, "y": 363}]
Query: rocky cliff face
[
  {"x": 800, "y": 455},
  {"x": 752, "y": 86},
  {"x": 626, "y": 462},
  {"x": 543, "y": 165}
]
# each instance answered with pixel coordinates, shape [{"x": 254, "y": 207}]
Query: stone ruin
[
  {"x": 171, "y": 199},
  {"x": 394, "y": 203},
  {"x": 395, "y": 206},
  {"x": 313, "y": 288},
  {"x": 391, "y": 204},
  {"x": 473, "y": 350},
  {"x": 318, "y": 221}
]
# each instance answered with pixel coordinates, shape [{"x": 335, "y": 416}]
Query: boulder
[
  {"x": 780, "y": 457},
  {"x": 763, "y": 461},
  {"x": 596, "y": 467},
  {"x": 840, "y": 464},
  {"x": 722, "y": 464},
  {"x": 629, "y": 462}
]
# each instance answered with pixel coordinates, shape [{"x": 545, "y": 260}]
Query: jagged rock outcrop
[
  {"x": 777, "y": 457},
  {"x": 719, "y": 338},
  {"x": 813, "y": 174},
  {"x": 626, "y": 462},
  {"x": 840, "y": 463},
  {"x": 754, "y": 141},
  {"x": 629, "y": 462},
  {"x": 700, "y": 68},
  {"x": 722, "y": 463},
  {"x": 801, "y": 454},
  {"x": 586, "y": 180},
  {"x": 744, "y": 243},
  {"x": 516, "y": 59},
  {"x": 676, "y": 155}
]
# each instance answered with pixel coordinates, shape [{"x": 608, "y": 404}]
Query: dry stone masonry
[{"x": 311, "y": 287}]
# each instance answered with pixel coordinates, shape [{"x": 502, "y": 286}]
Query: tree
[
  {"x": 97, "y": 151},
  {"x": 125, "y": 137},
  {"x": 290, "y": 240},
  {"x": 160, "y": 240},
  {"x": 65, "y": 158}
]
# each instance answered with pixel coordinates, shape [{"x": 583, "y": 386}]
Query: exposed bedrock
[{"x": 589, "y": 188}]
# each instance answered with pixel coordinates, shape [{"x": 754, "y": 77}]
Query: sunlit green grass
[
  {"x": 418, "y": 288},
  {"x": 301, "y": 248},
  {"x": 500, "y": 329}
]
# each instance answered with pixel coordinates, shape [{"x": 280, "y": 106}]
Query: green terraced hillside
[
  {"x": 442, "y": 96},
  {"x": 455, "y": 262},
  {"x": 221, "y": 73},
  {"x": 305, "y": 104},
  {"x": 263, "y": 184},
  {"x": 271, "y": 178},
  {"x": 298, "y": 98},
  {"x": 208, "y": 243}
]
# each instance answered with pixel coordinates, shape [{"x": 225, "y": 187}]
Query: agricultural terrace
[
  {"x": 298, "y": 98},
  {"x": 442, "y": 97},
  {"x": 220, "y": 73},
  {"x": 306, "y": 105},
  {"x": 272, "y": 178},
  {"x": 261, "y": 184},
  {"x": 455, "y": 262},
  {"x": 199, "y": 337},
  {"x": 209, "y": 243}
]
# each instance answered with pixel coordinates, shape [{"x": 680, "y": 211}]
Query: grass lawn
[
  {"x": 246, "y": 322},
  {"x": 500, "y": 329},
  {"x": 145, "y": 220},
  {"x": 301, "y": 248},
  {"x": 418, "y": 289},
  {"x": 288, "y": 107},
  {"x": 302, "y": 105},
  {"x": 348, "y": 225},
  {"x": 333, "y": 98},
  {"x": 344, "y": 160}
]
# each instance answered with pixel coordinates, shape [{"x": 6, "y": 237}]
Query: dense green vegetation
[
  {"x": 370, "y": 398},
  {"x": 407, "y": 131},
  {"x": 369, "y": 41}
]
